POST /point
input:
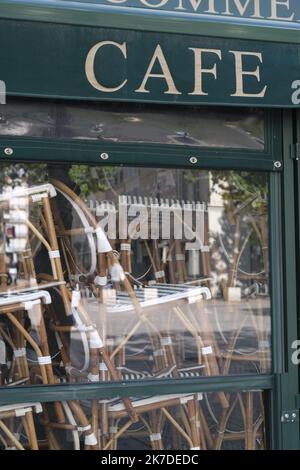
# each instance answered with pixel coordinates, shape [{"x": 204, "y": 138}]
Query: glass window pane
[
  {"x": 26, "y": 118},
  {"x": 112, "y": 273},
  {"x": 161, "y": 422},
  {"x": 135, "y": 123}
]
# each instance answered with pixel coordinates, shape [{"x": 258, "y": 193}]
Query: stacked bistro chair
[
  {"x": 64, "y": 320},
  {"x": 140, "y": 306}
]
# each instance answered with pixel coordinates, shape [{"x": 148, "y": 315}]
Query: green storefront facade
[{"x": 213, "y": 88}]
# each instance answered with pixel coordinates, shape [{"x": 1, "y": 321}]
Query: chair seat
[
  {"x": 36, "y": 406},
  {"x": 13, "y": 298},
  {"x": 157, "y": 399}
]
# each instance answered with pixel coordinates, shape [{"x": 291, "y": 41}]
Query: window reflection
[
  {"x": 111, "y": 122},
  {"x": 132, "y": 273}
]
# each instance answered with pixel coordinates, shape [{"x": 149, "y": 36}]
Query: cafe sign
[{"x": 64, "y": 61}]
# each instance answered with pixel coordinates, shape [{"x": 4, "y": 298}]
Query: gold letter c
[{"x": 89, "y": 65}]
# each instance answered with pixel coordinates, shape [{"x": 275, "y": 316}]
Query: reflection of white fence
[
  {"x": 165, "y": 203},
  {"x": 153, "y": 218},
  {"x": 146, "y": 202}
]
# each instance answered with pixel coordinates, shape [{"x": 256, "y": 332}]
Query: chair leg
[{"x": 31, "y": 431}]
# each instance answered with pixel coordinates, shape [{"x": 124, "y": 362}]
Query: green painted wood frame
[
  {"x": 283, "y": 383},
  {"x": 85, "y": 151},
  {"x": 283, "y": 396}
]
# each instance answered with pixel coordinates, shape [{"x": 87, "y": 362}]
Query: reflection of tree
[
  {"x": 87, "y": 178},
  {"x": 22, "y": 173},
  {"x": 245, "y": 204},
  {"x": 90, "y": 180}
]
